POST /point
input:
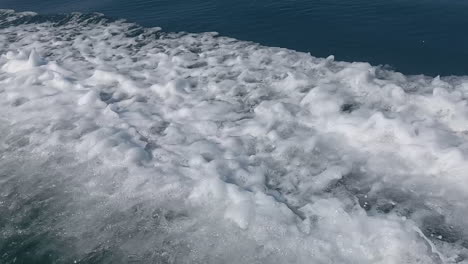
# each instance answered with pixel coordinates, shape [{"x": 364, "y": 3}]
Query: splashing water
[{"x": 126, "y": 144}]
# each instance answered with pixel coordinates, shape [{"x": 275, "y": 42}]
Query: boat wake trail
[{"x": 124, "y": 144}]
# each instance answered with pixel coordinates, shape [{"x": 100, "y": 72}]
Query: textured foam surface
[{"x": 120, "y": 143}]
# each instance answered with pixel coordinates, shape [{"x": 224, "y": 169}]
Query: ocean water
[
  {"x": 414, "y": 37},
  {"x": 123, "y": 143}
]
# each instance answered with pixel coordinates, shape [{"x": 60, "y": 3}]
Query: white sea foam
[{"x": 125, "y": 144}]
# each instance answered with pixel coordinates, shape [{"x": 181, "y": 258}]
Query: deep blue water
[{"x": 412, "y": 36}]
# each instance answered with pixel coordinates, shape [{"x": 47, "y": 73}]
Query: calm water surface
[{"x": 412, "y": 36}]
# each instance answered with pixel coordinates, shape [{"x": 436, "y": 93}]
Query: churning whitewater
[{"x": 123, "y": 144}]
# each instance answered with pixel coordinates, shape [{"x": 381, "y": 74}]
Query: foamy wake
[{"x": 120, "y": 143}]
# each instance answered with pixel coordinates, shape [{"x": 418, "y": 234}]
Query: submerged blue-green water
[{"x": 412, "y": 36}]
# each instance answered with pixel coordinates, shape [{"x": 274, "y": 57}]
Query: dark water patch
[
  {"x": 415, "y": 37},
  {"x": 349, "y": 107}
]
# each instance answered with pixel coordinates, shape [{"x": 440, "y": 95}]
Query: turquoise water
[{"x": 414, "y": 37}]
